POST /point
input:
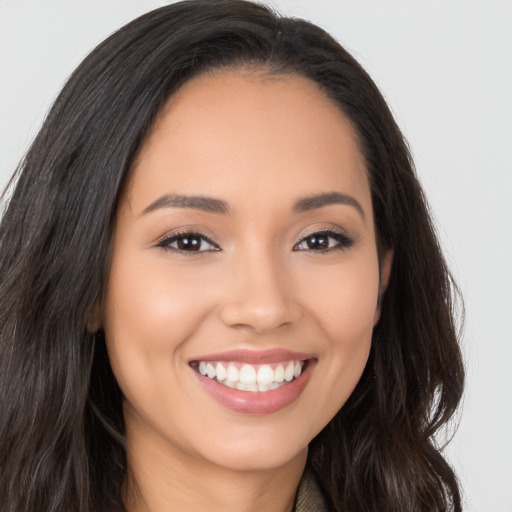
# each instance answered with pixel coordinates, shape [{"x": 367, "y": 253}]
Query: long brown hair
[{"x": 61, "y": 423}]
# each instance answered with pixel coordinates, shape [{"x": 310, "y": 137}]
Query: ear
[
  {"x": 385, "y": 273},
  {"x": 94, "y": 318}
]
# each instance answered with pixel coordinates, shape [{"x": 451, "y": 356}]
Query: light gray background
[{"x": 445, "y": 67}]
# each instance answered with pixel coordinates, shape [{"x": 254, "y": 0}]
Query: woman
[{"x": 220, "y": 283}]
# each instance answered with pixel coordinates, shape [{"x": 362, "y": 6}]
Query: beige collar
[{"x": 309, "y": 495}]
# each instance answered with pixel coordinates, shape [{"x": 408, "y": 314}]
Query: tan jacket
[{"x": 309, "y": 496}]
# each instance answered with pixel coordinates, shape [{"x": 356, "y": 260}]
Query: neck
[{"x": 163, "y": 478}]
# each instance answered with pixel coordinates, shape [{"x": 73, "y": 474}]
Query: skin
[{"x": 260, "y": 144}]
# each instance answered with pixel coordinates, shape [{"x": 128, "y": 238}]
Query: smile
[
  {"x": 254, "y": 382},
  {"x": 251, "y": 377}
]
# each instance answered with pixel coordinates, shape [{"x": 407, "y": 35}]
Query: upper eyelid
[
  {"x": 330, "y": 231},
  {"x": 315, "y": 231},
  {"x": 171, "y": 235}
]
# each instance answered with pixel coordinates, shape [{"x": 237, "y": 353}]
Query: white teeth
[
  {"x": 279, "y": 374},
  {"x": 247, "y": 375},
  {"x": 220, "y": 372},
  {"x": 248, "y": 387},
  {"x": 249, "y": 378},
  {"x": 265, "y": 375},
  {"x": 232, "y": 373},
  {"x": 289, "y": 372},
  {"x": 210, "y": 370}
]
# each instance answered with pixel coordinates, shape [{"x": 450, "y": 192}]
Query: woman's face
[{"x": 244, "y": 275}]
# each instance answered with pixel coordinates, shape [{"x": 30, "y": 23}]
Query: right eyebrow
[{"x": 207, "y": 204}]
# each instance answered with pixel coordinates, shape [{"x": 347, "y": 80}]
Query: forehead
[{"x": 224, "y": 131}]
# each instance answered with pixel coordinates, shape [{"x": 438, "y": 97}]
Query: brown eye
[
  {"x": 320, "y": 241},
  {"x": 187, "y": 242},
  {"x": 323, "y": 241}
]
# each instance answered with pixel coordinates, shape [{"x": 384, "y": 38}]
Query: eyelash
[
  {"x": 166, "y": 241},
  {"x": 343, "y": 241}
]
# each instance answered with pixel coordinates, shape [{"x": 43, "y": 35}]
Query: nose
[{"x": 261, "y": 297}]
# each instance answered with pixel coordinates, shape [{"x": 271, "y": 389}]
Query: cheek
[
  {"x": 155, "y": 298},
  {"x": 148, "y": 314},
  {"x": 344, "y": 298},
  {"x": 343, "y": 303}
]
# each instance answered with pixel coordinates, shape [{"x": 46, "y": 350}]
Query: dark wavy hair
[{"x": 61, "y": 424}]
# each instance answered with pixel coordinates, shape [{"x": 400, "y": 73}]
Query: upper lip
[{"x": 255, "y": 356}]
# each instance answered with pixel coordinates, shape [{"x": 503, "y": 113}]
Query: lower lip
[{"x": 265, "y": 402}]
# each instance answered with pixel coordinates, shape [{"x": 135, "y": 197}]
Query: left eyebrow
[
  {"x": 207, "y": 204},
  {"x": 326, "y": 199}
]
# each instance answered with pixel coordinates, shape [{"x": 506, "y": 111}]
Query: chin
[
  {"x": 256, "y": 451},
  {"x": 260, "y": 460}
]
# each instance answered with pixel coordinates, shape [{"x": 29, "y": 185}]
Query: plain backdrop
[{"x": 445, "y": 68}]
